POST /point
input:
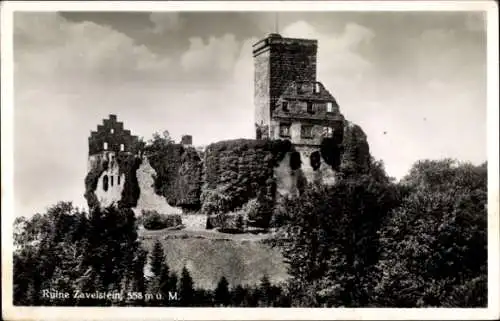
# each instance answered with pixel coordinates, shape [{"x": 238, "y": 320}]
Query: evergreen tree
[
  {"x": 238, "y": 295},
  {"x": 265, "y": 291},
  {"x": 221, "y": 295},
  {"x": 157, "y": 263},
  {"x": 186, "y": 288}
]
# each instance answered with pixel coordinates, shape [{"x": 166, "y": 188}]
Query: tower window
[
  {"x": 329, "y": 107},
  {"x": 105, "y": 146},
  {"x": 285, "y": 130},
  {"x": 111, "y": 180},
  {"x": 122, "y": 147},
  {"x": 284, "y": 106},
  {"x": 316, "y": 88},
  {"x": 111, "y": 130},
  {"x": 310, "y": 107},
  {"x": 306, "y": 131},
  {"x": 118, "y": 179},
  {"x": 105, "y": 183}
]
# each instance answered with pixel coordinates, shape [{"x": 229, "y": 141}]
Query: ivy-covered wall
[
  {"x": 236, "y": 171},
  {"x": 179, "y": 172}
]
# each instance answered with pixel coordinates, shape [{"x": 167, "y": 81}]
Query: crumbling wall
[
  {"x": 148, "y": 198},
  {"x": 178, "y": 174}
]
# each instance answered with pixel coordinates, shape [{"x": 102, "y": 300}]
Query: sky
[{"x": 414, "y": 81}]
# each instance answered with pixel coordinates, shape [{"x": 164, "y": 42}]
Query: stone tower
[{"x": 289, "y": 102}]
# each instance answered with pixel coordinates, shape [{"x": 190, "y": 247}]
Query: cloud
[
  {"x": 216, "y": 55},
  {"x": 338, "y": 55},
  {"x": 165, "y": 21},
  {"x": 48, "y": 47}
]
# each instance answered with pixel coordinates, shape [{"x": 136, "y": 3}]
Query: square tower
[{"x": 278, "y": 62}]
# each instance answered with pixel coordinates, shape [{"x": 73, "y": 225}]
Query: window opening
[
  {"x": 285, "y": 130},
  {"x": 306, "y": 131},
  {"x": 105, "y": 183}
]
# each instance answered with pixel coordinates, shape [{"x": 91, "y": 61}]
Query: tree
[
  {"x": 434, "y": 244},
  {"x": 186, "y": 288},
  {"x": 238, "y": 295},
  {"x": 266, "y": 291},
  {"x": 157, "y": 259},
  {"x": 221, "y": 295},
  {"x": 331, "y": 240}
]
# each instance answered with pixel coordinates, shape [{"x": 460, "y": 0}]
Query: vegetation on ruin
[{"x": 178, "y": 171}]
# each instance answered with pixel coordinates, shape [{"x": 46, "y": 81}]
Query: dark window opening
[
  {"x": 118, "y": 180},
  {"x": 306, "y": 131},
  {"x": 310, "y": 107},
  {"x": 111, "y": 180},
  {"x": 285, "y": 130},
  {"x": 295, "y": 161},
  {"x": 284, "y": 106},
  {"x": 315, "y": 160},
  {"x": 105, "y": 183}
]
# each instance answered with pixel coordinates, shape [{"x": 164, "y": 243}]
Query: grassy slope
[{"x": 240, "y": 261}]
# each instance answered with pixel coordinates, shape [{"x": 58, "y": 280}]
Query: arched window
[
  {"x": 315, "y": 160},
  {"x": 122, "y": 147},
  {"x": 105, "y": 183},
  {"x": 111, "y": 177},
  {"x": 105, "y": 146}
]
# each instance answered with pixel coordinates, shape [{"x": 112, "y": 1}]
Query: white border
[{"x": 39, "y": 313}]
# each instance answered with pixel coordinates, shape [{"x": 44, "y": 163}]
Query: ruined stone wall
[
  {"x": 111, "y": 179},
  {"x": 112, "y": 134},
  {"x": 148, "y": 198}
]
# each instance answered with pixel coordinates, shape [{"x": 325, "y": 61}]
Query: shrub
[
  {"x": 228, "y": 223},
  {"x": 153, "y": 220}
]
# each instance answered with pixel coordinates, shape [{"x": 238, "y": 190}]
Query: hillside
[{"x": 242, "y": 259}]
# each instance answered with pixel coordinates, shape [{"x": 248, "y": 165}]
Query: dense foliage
[
  {"x": 434, "y": 244},
  {"x": 128, "y": 165},
  {"x": 331, "y": 241},
  {"x": 355, "y": 151},
  {"x": 370, "y": 242},
  {"x": 66, "y": 250},
  {"x": 152, "y": 220}
]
